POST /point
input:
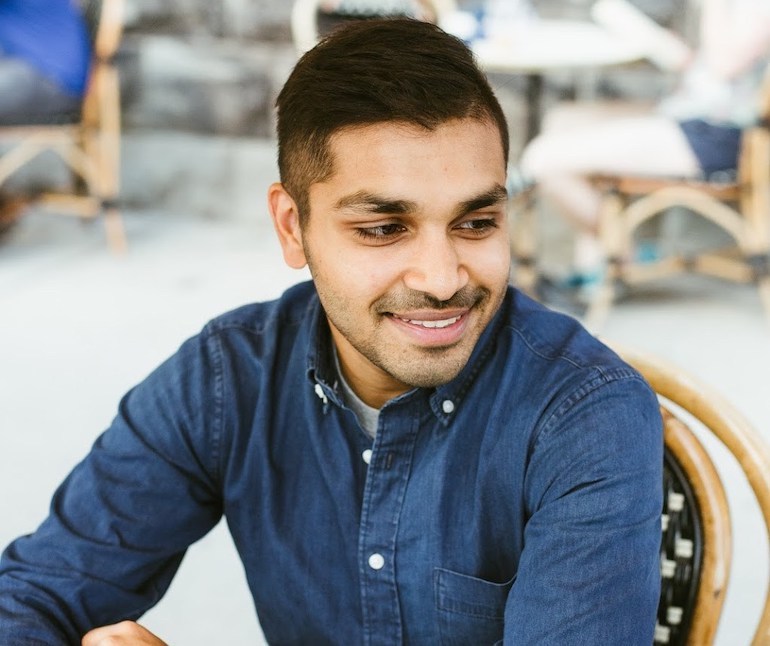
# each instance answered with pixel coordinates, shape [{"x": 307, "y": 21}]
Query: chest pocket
[{"x": 470, "y": 610}]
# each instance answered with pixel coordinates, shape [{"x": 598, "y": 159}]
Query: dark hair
[{"x": 372, "y": 71}]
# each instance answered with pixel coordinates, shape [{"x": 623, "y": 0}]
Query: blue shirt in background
[
  {"x": 51, "y": 36},
  {"x": 519, "y": 501}
]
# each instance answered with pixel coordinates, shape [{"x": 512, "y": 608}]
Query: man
[{"x": 406, "y": 449}]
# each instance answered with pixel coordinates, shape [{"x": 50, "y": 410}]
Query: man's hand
[{"x": 126, "y": 633}]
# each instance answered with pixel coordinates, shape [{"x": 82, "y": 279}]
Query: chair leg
[
  {"x": 524, "y": 243},
  {"x": 114, "y": 228},
  {"x": 760, "y": 266},
  {"x": 764, "y": 293},
  {"x": 613, "y": 242},
  {"x": 105, "y": 147},
  {"x": 599, "y": 307}
]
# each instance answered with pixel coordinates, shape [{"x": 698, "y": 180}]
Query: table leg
[{"x": 534, "y": 99}]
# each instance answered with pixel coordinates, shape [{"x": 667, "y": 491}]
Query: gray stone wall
[
  {"x": 199, "y": 79},
  {"x": 247, "y": 19},
  {"x": 207, "y": 67}
]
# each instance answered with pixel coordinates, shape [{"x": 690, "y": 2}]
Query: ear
[{"x": 283, "y": 210}]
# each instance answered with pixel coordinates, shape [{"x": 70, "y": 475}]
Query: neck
[{"x": 371, "y": 384}]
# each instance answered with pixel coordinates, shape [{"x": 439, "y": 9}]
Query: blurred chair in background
[
  {"x": 86, "y": 135},
  {"x": 696, "y": 133},
  {"x": 740, "y": 205},
  {"x": 696, "y": 545},
  {"x": 312, "y": 19}
]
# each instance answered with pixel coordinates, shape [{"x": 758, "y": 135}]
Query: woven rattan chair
[
  {"x": 741, "y": 208},
  {"x": 696, "y": 545},
  {"x": 89, "y": 145},
  {"x": 309, "y": 22}
]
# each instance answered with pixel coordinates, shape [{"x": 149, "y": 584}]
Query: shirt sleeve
[
  {"x": 120, "y": 523},
  {"x": 589, "y": 571}
]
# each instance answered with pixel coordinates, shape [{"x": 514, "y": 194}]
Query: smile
[
  {"x": 426, "y": 329},
  {"x": 442, "y": 323}
]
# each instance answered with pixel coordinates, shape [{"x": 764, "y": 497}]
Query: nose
[{"x": 435, "y": 267}]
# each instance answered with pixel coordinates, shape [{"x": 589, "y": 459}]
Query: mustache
[{"x": 465, "y": 298}]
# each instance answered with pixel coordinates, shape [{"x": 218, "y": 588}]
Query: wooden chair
[
  {"x": 696, "y": 545},
  {"x": 523, "y": 237},
  {"x": 308, "y": 24},
  {"x": 741, "y": 208},
  {"x": 90, "y": 146}
]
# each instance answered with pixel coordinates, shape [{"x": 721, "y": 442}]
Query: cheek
[
  {"x": 376, "y": 275},
  {"x": 492, "y": 262},
  {"x": 358, "y": 278}
]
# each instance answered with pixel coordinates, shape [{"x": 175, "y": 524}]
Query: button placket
[{"x": 386, "y": 480}]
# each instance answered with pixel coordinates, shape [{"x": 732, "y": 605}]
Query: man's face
[{"x": 407, "y": 243}]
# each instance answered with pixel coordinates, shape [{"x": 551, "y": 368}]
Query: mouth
[
  {"x": 431, "y": 328},
  {"x": 430, "y": 324}
]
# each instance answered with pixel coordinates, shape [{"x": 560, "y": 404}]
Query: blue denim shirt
[{"x": 520, "y": 501}]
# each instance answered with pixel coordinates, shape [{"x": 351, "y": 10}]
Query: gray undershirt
[{"x": 366, "y": 415}]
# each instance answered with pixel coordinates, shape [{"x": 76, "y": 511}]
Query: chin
[{"x": 425, "y": 376}]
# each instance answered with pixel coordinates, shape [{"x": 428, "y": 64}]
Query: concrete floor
[{"x": 80, "y": 326}]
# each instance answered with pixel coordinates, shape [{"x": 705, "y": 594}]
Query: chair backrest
[
  {"x": 104, "y": 21},
  {"x": 696, "y": 545},
  {"x": 306, "y": 28},
  {"x": 695, "y": 548}
]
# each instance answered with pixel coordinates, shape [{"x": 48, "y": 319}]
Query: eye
[
  {"x": 381, "y": 232},
  {"x": 478, "y": 226}
]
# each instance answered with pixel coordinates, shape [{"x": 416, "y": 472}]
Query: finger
[{"x": 125, "y": 633}]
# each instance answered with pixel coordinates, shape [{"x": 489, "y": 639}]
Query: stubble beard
[{"x": 417, "y": 367}]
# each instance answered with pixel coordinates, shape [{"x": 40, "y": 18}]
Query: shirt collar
[{"x": 321, "y": 371}]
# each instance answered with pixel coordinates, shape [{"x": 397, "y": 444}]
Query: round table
[{"x": 540, "y": 46}]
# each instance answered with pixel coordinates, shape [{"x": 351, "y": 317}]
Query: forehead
[
  {"x": 473, "y": 127},
  {"x": 427, "y": 171},
  {"x": 458, "y": 147}
]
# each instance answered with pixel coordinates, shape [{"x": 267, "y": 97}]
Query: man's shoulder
[
  {"x": 281, "y": 315},
  {"x": 551, "y": 365},
  {"x": 545, "y": 339}
]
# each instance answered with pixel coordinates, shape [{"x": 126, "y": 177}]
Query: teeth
[{"x": 434, "y": 324}]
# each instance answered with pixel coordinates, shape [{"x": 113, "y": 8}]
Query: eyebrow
[
  {"x": 493, "y": 196},
  {"x": 374, "y": 203}
]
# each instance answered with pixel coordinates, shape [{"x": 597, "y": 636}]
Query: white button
[
  {"x": 448, "y": 406},
  {"x": 321, "y": 394},
  {"x": 367, "y": 455},
  {"x": 376, "y": 561}
]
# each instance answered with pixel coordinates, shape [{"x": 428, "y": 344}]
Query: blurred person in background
[
  {"x": 44, "y": 61},
  {"x": 695, "y": 132}
]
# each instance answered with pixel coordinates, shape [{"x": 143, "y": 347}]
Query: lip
[{"x": 444, "y": 327}]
